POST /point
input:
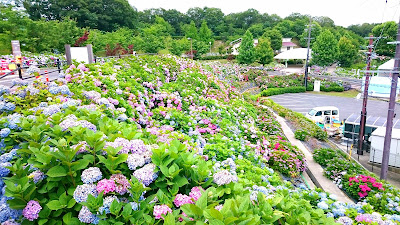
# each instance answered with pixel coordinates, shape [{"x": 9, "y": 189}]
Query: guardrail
[{"x": 19, "y": 69}]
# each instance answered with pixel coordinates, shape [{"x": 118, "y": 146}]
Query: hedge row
[
  {"x": 299, "y": 120},
  {"x": 279, "y": 91}
]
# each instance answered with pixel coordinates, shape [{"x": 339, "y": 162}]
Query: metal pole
[
  {"x": 19, "y": 71},
  {"x": 58, "y": 65},
  {"x": 191, "y": 49},
  {"x": 365, "y": 100},
  {"x": 308, "y": 53},
  {"x": 392, "y": 104}
]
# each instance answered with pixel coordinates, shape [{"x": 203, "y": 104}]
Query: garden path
[{"x": 316, "y": 170}]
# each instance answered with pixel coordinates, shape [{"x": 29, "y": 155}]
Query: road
[
  {"x": 303, "y": 102},
  {"x": 53, "y": 74}
]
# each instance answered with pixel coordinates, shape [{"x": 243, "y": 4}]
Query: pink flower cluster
[
  {"x": 181, "y": 199},
  {"x": 363, "y": 184},
  {"x": 106, "y": 186},
  {"x": 160, "y": 210}
]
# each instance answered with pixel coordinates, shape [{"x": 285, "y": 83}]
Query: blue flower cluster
[
  {"x": 91, "y": 175},
  {"x": 13, "y": 120},
  {"x": 7, "y": 106},
  {"x": 69, "y": 103},
  {"x": 5, "y": 132},
  {"x": 52, "y": 109},
  {"x": 4, "y": 90},
  {"x": 19, "y": 82},
  {"x": 85, "y": 216},
  {"x": 6, "y": 157},
  {"x": 122, "y": 117},
  {"x": 82, "y": 191},
  {"x": 105, "y": 208},
  {"x": 63, "y": 89}
]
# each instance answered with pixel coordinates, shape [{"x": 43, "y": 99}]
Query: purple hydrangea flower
[
  {"x": 85, "y": 216},
  {"x": 224, "y": 177},
  {"x": 146, "y": 174},
  {"x": 31, "y": 210},
  {"x": 37, "y": 176}
]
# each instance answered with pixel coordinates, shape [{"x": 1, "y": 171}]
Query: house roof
[
  {"x": 288, "y": 44},
  {"x": 297, "y": 53}
]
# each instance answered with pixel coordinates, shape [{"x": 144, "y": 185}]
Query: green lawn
[{"x": 348, "y": 94}]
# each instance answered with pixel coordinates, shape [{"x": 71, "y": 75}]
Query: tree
[
  {"x": 389, "y": 30},
  {"x": 257, "y": 29},
  {"x": 214, "y": 18},
  {"x": 275, "y": 38},
  {"x": 180, "y": 46},
  {"x": 205, "y": 34},
  {"x": 347, "y": 52},
  {"x": 324, "y": 51},
  {"x": 155, "y": 35},
  {"x": 363, "y": 30},
  {"x": 264, "y": 52},
  {"x": 190, "y": 30},
  {"x": 106, "y": 15},
  {"x": 286, "y": 27},
  {"x": 246, "y": 50}
]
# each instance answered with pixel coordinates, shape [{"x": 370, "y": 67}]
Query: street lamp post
[
  {"x": 210, "y": 47},
  {"x": 191, "y": 48}
]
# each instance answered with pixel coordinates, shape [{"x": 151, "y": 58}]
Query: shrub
[
  {"x": 279, "y": 91},
  {"x": 301, "y": 134},
  {"x": 324, "y": 155},
  {"x": 360, "y": 186}
]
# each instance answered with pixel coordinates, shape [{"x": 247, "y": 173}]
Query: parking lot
[{"x": 303, "y": 102}]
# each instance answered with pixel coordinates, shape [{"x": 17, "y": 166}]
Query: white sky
[{"x": 343, "y": 12}]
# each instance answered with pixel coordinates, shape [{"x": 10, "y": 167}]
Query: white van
[{"x": 324, "y": 114}]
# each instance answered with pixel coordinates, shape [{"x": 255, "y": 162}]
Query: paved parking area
[{"x": 304, "y": 102}]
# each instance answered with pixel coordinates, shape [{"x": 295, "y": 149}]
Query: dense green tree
[
  {"x": 190, "y": 30},
  {"x": 325, "y": 49},
  {"x": 275, "y": 38},
  {"x": 205, "y": 34},
  {"x": 196, "y": 15},
  {"x": 257, "y": 30},
  {"x": 246, "y": 50},
  {"x": 347, "y": 52},
  {"x": 286, "y": 27},
  {"x": 388, "y": 30},
  {"x": 362, "y": 29},
  {"x": 35, "y": 36},
  {"x": 264, "y": 52},
  {"x": 180, "y": 46},
  {"x": 106, "y": 15},
  {"x": 324, "y": 21},
  {"x": 214, "y": 18},
  {"x": 155, "y": 35}
]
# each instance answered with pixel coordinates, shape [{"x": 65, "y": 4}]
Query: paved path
[
  {"x": 7, "y": 81},
  {"x": 304, "y": 102},
  {"x": 317, "y": 171}
]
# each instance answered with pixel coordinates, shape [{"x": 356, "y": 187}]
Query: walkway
[{"x": 315, "y": 169}]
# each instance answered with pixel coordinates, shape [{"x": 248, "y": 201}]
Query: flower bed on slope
[
  {"x": 358, "y": 182},
  {"x": 147, "y": 140}
]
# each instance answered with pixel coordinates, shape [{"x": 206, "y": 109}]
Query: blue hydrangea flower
[
  {"x": 105, "y": 208},
  {"x": 5, "y": 132},
  {"x": 54, "y": 90},
  {"x": 43, "y": 104},
  {"x": 6, "y": 157},
  {"x": 91, "y": 175},
  {"x": 85, "y": 216},
  {"x": 322, "y": 205},
  {"x": 3, "y": 170},
  {"x": 134, "y": 206},
  {"x": 9, "y": 106},
  {"x": 82, "y": 191}
]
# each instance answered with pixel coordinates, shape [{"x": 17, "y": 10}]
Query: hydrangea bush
[{"x": 147, "y": 140}]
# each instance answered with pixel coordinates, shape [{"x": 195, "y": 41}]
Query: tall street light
[
  {"x": 210, "y": 47},
  {"x": 191, "y": 48}
]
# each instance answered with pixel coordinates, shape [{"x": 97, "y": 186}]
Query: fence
[{"x": 57, "y": 63}]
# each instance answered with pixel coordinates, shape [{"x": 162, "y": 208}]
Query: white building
[{"x": 287, "y": 45}]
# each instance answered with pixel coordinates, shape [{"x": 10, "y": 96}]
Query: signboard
[
  {"x": 80, "y": 54},
  {"x": 16, "y": 49}
]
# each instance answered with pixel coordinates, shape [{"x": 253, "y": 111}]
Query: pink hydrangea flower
[
  {"x": 181, "y": 199},
  {"x": 195, "y": 193},
  {"x": 160, "y": 210},
  {"x": 106, "y": 186}
]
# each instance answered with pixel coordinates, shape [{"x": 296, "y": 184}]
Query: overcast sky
[{"x": 343, "y": 12}]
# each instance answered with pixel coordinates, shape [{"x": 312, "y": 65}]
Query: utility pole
[
  {"x": 392, "y": 104},
  {"x": 191, "y": 48},
  {"x": 308, "y": 53},
  {"x": 365, "y": 99}
]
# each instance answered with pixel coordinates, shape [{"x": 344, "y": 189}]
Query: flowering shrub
[
  {"x": 360, "y": 186},
  {"x": 323, "y": 156}
]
